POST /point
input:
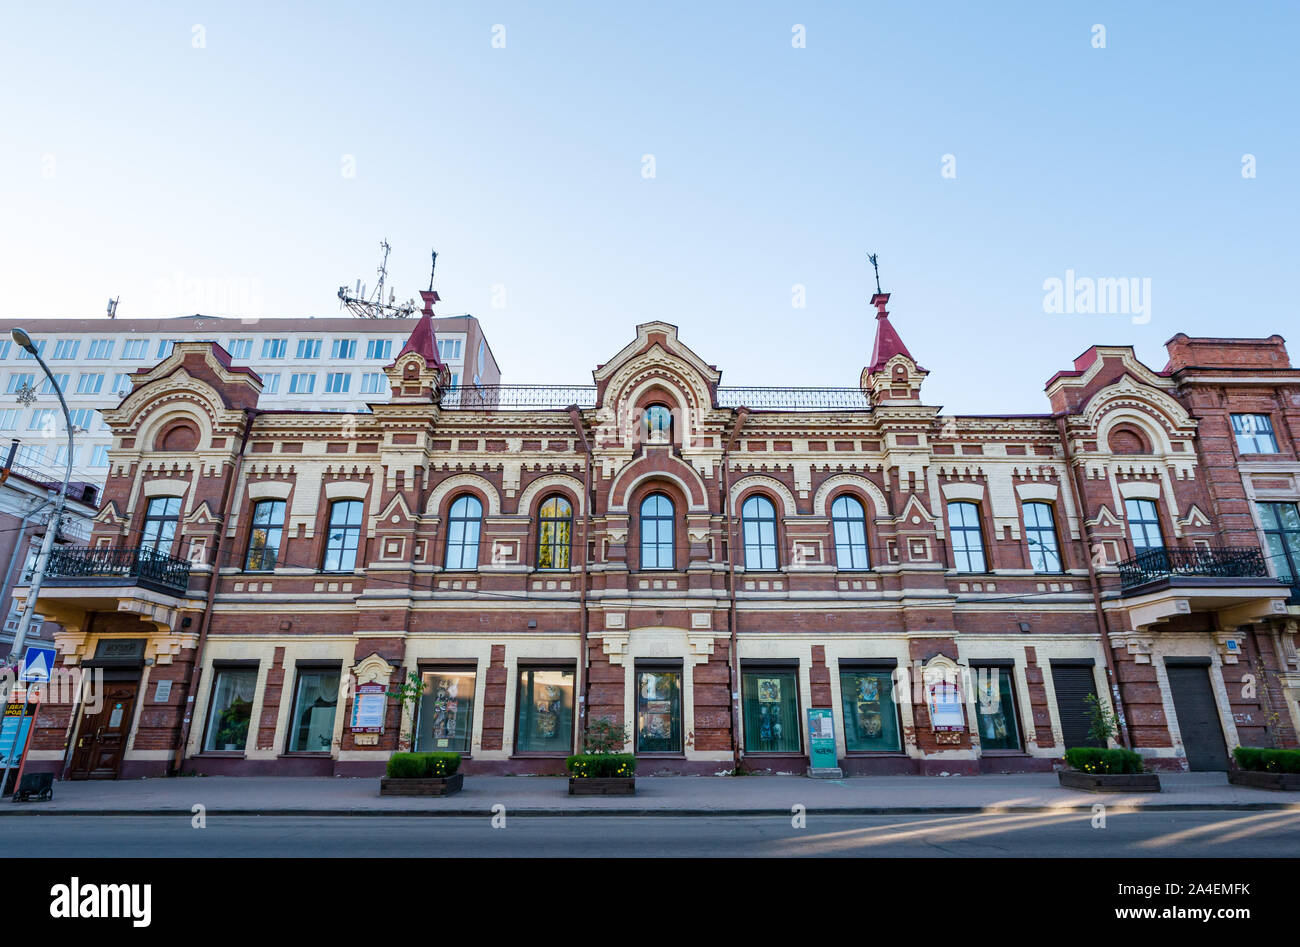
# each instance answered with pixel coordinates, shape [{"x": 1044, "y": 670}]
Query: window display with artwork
[
  {"x": 771, "y": 703},
  {"x": 446, "y": 719},
  {"x": 544, "y": 723},
  {"x": 870, "y": 714},
  {"x": 995, "y": 708},
  {"x": 659, "y": 712}
]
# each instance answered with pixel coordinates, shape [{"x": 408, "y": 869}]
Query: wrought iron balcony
[
  {"x": 1222, "y": 562},
  {"x": 117, "y": 565}
]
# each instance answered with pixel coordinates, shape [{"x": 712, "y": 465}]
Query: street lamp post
[{"x": 24, "y": 341}]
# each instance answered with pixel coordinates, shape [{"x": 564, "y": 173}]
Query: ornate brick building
[{"x": 700, "y": 563}]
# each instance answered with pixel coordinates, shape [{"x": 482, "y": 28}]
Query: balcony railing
[
  {"x": 1228, "y": 562},
  {"x": 117, "y": 565}
]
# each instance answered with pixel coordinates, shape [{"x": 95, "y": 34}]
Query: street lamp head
[{"x": 22, "y": 338}]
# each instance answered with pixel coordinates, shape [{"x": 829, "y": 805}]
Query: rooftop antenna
[
  {"x": 112, "y": 307},
  {"x": 374, "y": 307},
  {"x": 871, "y": 257}
]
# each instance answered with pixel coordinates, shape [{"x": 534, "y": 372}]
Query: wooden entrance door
[{"x": 101, "y": 739}]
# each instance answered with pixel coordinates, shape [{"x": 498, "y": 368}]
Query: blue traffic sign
[{"x": 37, "y": 665}]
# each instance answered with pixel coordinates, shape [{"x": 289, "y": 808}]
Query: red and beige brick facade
[{"x": 965, "y": 544}]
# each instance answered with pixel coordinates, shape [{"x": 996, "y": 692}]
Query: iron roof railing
[{"x": 541, "y": 397}]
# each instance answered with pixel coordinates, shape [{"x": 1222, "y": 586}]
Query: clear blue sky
[{"x": 129, "y": 157}]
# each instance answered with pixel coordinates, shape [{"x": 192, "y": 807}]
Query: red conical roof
[
  {"x": 888, "y": 343},
  {"x": 423, "y": 341}
]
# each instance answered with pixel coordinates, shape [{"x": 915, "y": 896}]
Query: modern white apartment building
[{"x": 329, "y": 363}]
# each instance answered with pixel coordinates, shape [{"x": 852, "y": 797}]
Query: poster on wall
[
  {"x": 945, "y": 706},
  {"x": 368, "y": 708}
]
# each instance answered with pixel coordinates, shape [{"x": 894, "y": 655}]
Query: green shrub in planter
[
  {"x": 1090, "y": 759},
  {"x": 422, "y": 765},
  {"x": 597, "y": 765},
  {"x": 1267, "y": 761}
]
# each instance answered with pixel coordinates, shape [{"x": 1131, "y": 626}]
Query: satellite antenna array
[{"x": 374, "y": 307}]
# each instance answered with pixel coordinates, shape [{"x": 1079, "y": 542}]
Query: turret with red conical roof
[
  {"x": 892, "y": 376},
  {"x": 418, "y": 373}
]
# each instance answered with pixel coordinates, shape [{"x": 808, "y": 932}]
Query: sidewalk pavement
[{"x": 655, "y": 795}]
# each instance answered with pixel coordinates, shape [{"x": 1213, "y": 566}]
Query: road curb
[{"x": 33, "y": 809}]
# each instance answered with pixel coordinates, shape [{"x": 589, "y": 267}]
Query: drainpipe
[
  {"x": 1103, "y": 624},
  {"x": 733, "y": 662},
  {"x": 205, "y": 619},
  {"x": 576, "y": 417}
]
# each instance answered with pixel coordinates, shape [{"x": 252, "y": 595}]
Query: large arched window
[
  {"x": 463, "y": 527},
  {"x": 657, "y": 424},
  {"x": 967, "y": 538},
  {"x": 344, "y": 536},
  {"x": 1040, "y": 534},
  {"x": 850, "y": 524},
  {"x": 554, "y": 533},
  {"x": 160, "y": 519},
  {"x": 758, "y": 524},
  {"x": 657, "y": 532}
]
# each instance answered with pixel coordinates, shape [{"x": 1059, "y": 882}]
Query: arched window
[
  {"x": 554, "y": 533},
  {"x": 967, "y": 539},
  {"x": 264, "y": 538},
  {"x": 657, "y": 532},
  {"x": 160, "y": 519},
  {"x": 657, "y": 424},
  {"x": 463, "y": 527},
  {"x": 1040, "y": 535},
  {"x": 849, "y": 522},
  {"x": 758, "y": 525},
  {"x": 344, "y": 536}
]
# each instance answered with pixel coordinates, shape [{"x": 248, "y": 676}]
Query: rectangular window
[
  {"x": 165, "y": 347},
  {"x": 160, "y": 519},
  {"x": 544, "y": 723},
  {"x": 309, "y": 348},
  {"x": 343, "y": 348},
  {"x": 90, "y": 383},
  {"x": 99, "y": 455},
  {"x": 1254, "y": 434},
  {"x": 271, "y": 384},
  {"x": 1281, "y": 522},
  {"x": 100, "y": 348},
  {"x": 42, "y": 420},
  {"x": 20, "y": 380},
  {"x": 870, "y": 714},
  {"x": 771, "y": 702},
  {"x": 40, "y": 349},
  {"x": 379, "y": 348},
  {"x": 337, "y": 382},
  {"x": 232, "y": 709},
  {"x": 5, "y": 347},
  {"x": 372, "y": 383},
  {"x": 66, "y": 348},
  {"x": 241, "y": 348},
  {"x": 446, "y": 719},
  {"x": 9, "y": 419},
  {"x": 1143, "y": 524},
  {"x": 967, "y": 539},
  {"x": 449, "y": 349},
  {"x": 1040, "y": 535},
  {"x": 659, "y": 711},
  {"x": 302, "y": 384},
  {"x": 30, "y": 456},
  {"x": 344, "y": 536},
  {"x": 121, "y": 384},
  {"x": 264, "y": 537},
  {"x": 455, "y": 380},
  {"x": 274, "y": 348},
  {"x": 82, "y": 418},
  {"x": 47, "y": 386},
  {"x": 134, "y": 348},
  {"x": 995, "y": 707},
  {"x": 61, "y": 456},
  {"x": 316, "y": 698}
]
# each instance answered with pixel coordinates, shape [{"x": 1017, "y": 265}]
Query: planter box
[
  {"x": 433, "y": 786},
  {"x": 1257, "y": 779},
  {"x": 602, "y": 786},
  {"x": 1109, "y": 782}
]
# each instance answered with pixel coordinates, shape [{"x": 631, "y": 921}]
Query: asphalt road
[{"x": 1036, "y": 835}]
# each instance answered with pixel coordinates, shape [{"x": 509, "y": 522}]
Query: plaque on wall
[{"x": 368, "y": 708}]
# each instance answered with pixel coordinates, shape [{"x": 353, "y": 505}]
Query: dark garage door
[
  {"x": 1073, "y": 684},
  {"x": 1198, "y": 717}
]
